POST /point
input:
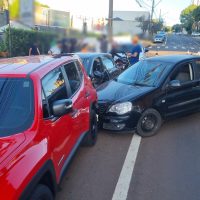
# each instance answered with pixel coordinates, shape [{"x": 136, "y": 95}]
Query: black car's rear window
[{"x": 16, "y": 105}]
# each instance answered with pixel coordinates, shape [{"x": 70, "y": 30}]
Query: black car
[
  {"x": 149, "y": 92},
  {"x": 100, "y": 67}
]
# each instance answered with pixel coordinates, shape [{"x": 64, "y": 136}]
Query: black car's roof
[
  {"x": 174, "y": 59},
  {"x": 87, "y": 55}
]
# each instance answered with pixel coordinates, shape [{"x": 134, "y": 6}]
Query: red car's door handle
[
  {"x": 74, "y": 113},
  {"x": 87, "y": 94}
]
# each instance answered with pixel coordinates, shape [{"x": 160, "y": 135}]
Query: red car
[{"x": 47, "y": 108}]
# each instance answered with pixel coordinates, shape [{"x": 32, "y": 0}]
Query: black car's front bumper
[{"x": 119, "y": 123}]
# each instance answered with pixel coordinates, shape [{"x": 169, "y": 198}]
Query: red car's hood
[{"x": 9, "y": 144}]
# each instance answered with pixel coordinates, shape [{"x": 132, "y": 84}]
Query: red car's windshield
[{"x": 16, "y": 105}]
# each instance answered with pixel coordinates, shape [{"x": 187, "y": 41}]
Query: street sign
[{"x": 27, "y": 16}]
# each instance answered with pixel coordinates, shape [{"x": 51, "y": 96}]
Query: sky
[{"x": 170, "y": 9}]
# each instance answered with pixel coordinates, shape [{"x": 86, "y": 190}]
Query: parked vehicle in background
[
  {"x": 48, "y": 108},
  {"x": 196, "y": 34},
  {"x": 149, "y": 92},
  {"x": 159, "y": 38},
  {"x": 100, "y": 67}
]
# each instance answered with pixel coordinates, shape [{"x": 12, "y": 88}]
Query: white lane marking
[
  {"x": 123, "y": 184},
  {"x": 175, "y": 47},
  {"x": 183, "y": 47},
  {"x": 166, "y": 47}
]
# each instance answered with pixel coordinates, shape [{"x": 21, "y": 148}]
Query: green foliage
[
  {"x": 187, "y": 17},
  {"x": 196, "y": 14},
  {"x": 2, "y": 46},
  {"x": 177, "y": 28},
  {"x": 22, "y": 40},
  {"x": 167, "y": 29},
  {"x": 157, "y": 26}
]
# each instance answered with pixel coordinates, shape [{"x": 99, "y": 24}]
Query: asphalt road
[
  {"x": 178, "y": 43},
  {"x": 167, "y": 166}
]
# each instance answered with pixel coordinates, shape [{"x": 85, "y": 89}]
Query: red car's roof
[{"x": 22, "y": 66}]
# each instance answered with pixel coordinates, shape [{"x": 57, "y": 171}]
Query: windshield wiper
[{"x": 141, "y": 84}]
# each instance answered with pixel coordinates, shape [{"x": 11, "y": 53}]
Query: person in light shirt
[{"x": 56, "y": 49}]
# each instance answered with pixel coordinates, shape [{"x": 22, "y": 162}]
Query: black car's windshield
[
  {"x": 144, "y": 73},
  {"x": 16, "y": 105}
]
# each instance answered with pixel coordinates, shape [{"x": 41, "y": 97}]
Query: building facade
[{"x": 128, "y": 21}]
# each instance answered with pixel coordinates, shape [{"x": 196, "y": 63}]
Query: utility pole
[
  {"x": 151, "y": 19},
  {"x": 160, "y": 15},
  {"x": 110, "y": 21},
  {"x": 9, "y": 30}
]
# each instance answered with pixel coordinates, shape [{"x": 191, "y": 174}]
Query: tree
[
  {"x": 177, "y": 28},
  {"x": 187, "y": 18},
  {"x": 144, "y": 23},
  {"x": 196, "y": 14},
  {"x": 157, "y": 25},
  {"x": 167, "y": 28}
]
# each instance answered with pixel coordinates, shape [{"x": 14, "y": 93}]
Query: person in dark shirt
[
  {"x": 136, "y": 50},
  {"x": 34, "y": 50},
  {"x": 104, "y": 44},
  {"x": 114, "y": 50}
]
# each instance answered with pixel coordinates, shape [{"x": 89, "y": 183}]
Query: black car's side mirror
[
  {"x": 62, "y": 107},
  {"x": 174, "y": 84}
]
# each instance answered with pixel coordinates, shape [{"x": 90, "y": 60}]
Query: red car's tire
[
  {"x": 42, "y": 192},
  {"x": 91, "y": 137}
]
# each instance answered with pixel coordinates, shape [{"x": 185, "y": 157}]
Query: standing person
[
  {"x": 34, "y": 50},
  {"x": 104, "y": 44},
  {"x": 134, "y": 55},
  {"x": 114, "y": 50},
  {"x": 56, "y": 49},
  {"x": 85, "y": 48}
]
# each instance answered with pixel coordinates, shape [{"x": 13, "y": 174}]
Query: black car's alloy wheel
[{"x": 149, "y": 123}]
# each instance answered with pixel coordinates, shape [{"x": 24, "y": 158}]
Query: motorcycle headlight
[{"x": 121, "y": 108}]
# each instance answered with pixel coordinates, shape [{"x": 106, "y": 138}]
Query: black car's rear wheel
[{"x": 149, "y": 123}]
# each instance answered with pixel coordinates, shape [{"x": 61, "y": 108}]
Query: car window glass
[
  {"x": 145, "y": 73},
  {"x": 46, "y": 113},
  {"x": 97, "y": 66},
  {"x": 16, "y": 105},
  {"x": 54, "y": 88},
  {"x": 183, "y": 74},
  {"x": 73, "y": 77},
  {"x": 197, "y": 70},
  {"x": 86, "y": 64},
  {"x": 108, "y": 63},
  {"x": 79, "y": 69}
]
